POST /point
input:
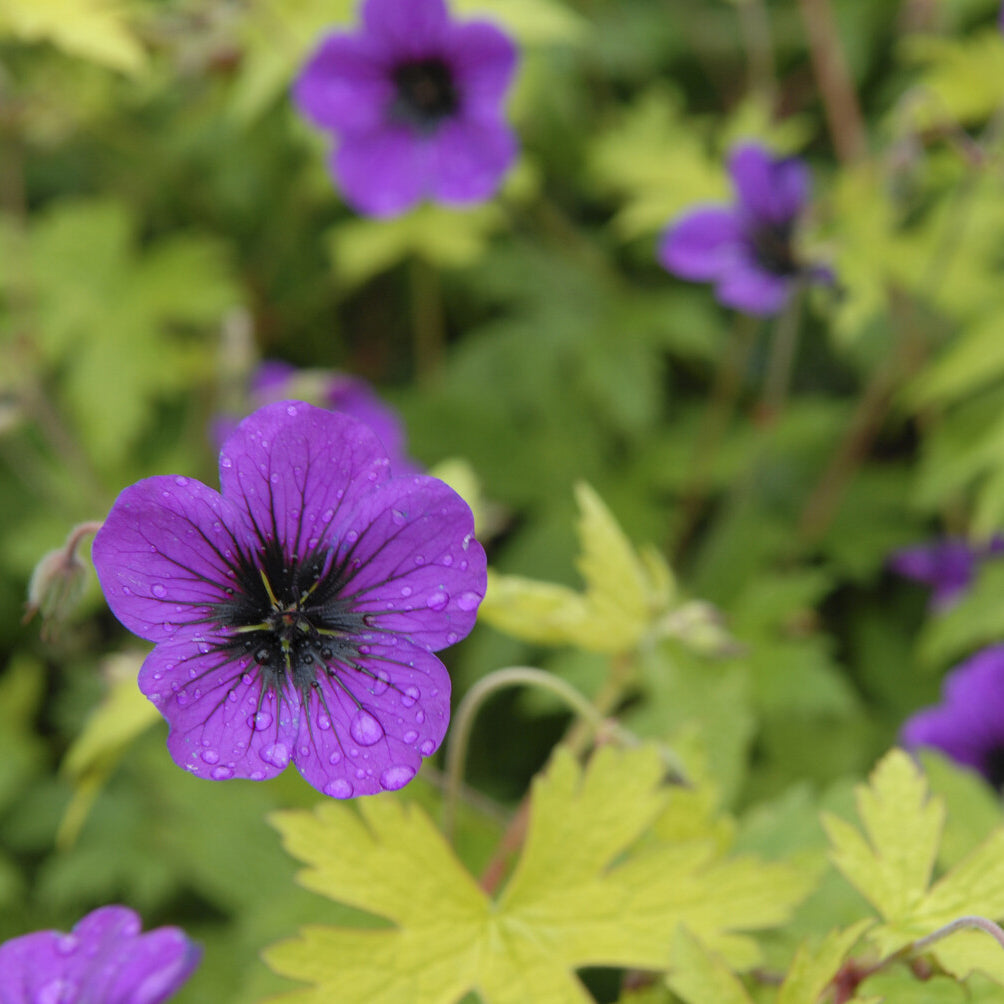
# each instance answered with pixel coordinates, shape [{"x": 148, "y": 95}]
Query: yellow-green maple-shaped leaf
[
  {"x": 624, "y": 591},
  {"x": 90, "y": 29},
  {"x": 701, "y": 978},
  {"x": 812, "y": 970},
  {"x": 891, "y": 864},
  {"x": 582, "y": 894}
]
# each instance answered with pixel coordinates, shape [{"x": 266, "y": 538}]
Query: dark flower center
[
  {"x": 426, "y": 93},
  {"x": 289, "y": 617},
  {"x": 773, "y": 248},
  {"x": 993, "y": 767}
]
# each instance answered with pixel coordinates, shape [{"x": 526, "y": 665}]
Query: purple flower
[
  {"x": 947, "y": 565},
  {"x": 296, "y": 613},
  {"x": 746, "y": 249},
  {"x": 103, "y": 960},
  {"x": 415, "y": 99},
  {"x": 275, "y": 380},
  {"x": 968, "y": 725}
]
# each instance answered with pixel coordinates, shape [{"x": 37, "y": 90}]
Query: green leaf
[
  {"x": 580, "y": 895},
  {"x": 813, "y": 969},
  {"x": 700, "y": 977},
  {"x": 91, "y": 29},
  {"x": 530, "y": 21}
]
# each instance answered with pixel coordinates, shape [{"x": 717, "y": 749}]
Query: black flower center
[
  {"x": 426, "y": 93},
  {"x": 993, "y": 767},
  {"x": 773, "y": 248},
  {"x": 289, "y": 618}
]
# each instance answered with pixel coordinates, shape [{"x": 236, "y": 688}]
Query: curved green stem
[{"x": 960, "y": 924}]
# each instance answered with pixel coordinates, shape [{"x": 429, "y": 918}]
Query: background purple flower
[
  {"x": 745, "y": 249},
  {"x": 275, "y": 380},
  {"x": 415, "y": 100},
  {"x": 968, "y": 725},
  {"x": 297, "y": 612},
  {"x": 946, "y": 565},
  {"x": 104, "y": 960}
]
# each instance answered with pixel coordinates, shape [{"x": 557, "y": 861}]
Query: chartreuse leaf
[
  {"x": 124, "y": 714},
  {"x": 891, "y": 861},
  {"x": 624, "y": 591},
  {"x": 91, "y": 29},
  {"x": 699, "y": 977},
  {"x": 582, "y": 894},
  {"x": 813, "y": 969}
]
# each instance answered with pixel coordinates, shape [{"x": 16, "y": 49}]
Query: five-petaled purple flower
[
  {"x": 296, "y": 614},
  {"x": 746, "y": 250},
  {"x": 946, "y": 565},
  {"x": 415, "y": 100},
  {"x": 275, "y": 380},
  {"x": 968, "y": 725},
  {"x": 103, "y": 960}
]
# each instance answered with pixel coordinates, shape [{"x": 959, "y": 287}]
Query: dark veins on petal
[
  {"x": 772, "y": 248},
  {"x": 425, "y": 93},
  {"x": 289, "y": 617}
]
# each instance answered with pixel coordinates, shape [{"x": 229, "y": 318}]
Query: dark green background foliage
[{"x": 166, "y": 220}]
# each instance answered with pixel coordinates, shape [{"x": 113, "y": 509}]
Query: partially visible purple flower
[
  {"x": 968, "y": 725},
  {"x": 946, "y": 565},
  {"x": 275, "y": 380},
  {"x": 103, "y": 960},
  {"x": 296, "y": 612},
  {"x": 416, "y": 102},
  {"x": 747, "y": 249}
]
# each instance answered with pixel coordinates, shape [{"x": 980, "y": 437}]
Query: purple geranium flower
[
  {"x": 415, "y": 99},
  {"x": 947, "y": 565},
  {"x": 104, "y": 960},
  {"x": 297, "y": 612},
  {"x": 968, "y": 725},
  {"x": 275, "y": 380},
  {"x": 746, "y": 249}
]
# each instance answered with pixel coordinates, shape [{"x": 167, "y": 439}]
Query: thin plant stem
[
  {"x": 781, "y": 362},
  {"x": 840, "y": 101},
  {"x": 428, "y": 321},
  {"x": 960, "y": 924},
  {"x": 512, "y": 676},
  {"x": 754, "y": 24}
]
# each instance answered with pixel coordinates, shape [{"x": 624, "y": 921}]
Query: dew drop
[
  {"x": 339, "y": 788},
  {"x": 159, "y": 590},
  {"x": 446, "y": 560},
  {"x": 290, "y": 409},
  {"x": 398, "y": 517},
  {"x": 257, "y": 775},
  {"x": 260, "y": 720},
  {"x": 452, "y": 638},
  {"x": 427, "y": 748},
  {"x": 335, "y": 758},
  {"x": 222, "y": 773},
  {"x": 468, "y": 601},
  {"x": 210, "y": 756},
  {"x": 277, "y": 755},
  {"x": 410, "y": 695},
  {"x": 438, "y": 600},
  {"x": 410, "y": 736},
  {"x": 396, "y": 777},
  {"x": 360, "y": 773},
  {"x": 352, "y": 536},
  {"x": 225, "y": 462},
  {"x": 420, "y": 716},
  {"x": 66, "y": 944},
  {"x": 380, "y": 683},
  {"x": 323, "y": 723},
  {"x": 56, "y": 992},
  {"x": 365, "y": 729},
  {"x": 180, "y": 481},
  {"x": 419, "y": 559},
  {"x": 126, "y": 591},
  {"x": 406, "y": 591},
  {"x": 328, "y": 514}
]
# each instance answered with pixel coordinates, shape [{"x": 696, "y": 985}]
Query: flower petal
[
  {"x": 369, "y": 725},
  {"x": 162, "y": 555},
  {"x": 296, "y": 469},
  {"x": 753, "y": 290},
  {"x": 773, "y": 190},
  {"x": 417, "y": 569},
  {"x": 483, "y": 60},
  {"x": 222, "y": 724},
  {"x": 701, "y": 244},
  {"x": 383, "y": 172},
  {"x": 469, "y": 158},
  {"x": 408, "y": 28},
  {"x": 345, "y": 84}
]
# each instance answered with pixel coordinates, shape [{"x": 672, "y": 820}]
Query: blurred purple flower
[
  {"x": 297, "y": 612},
  {"x": 968, "y": 725},
  {"x": 104, "y": 960},
  {"x": 275, "y": 380},
  {"x": 946, "y": 565},
  {"x": 415, "y": 100},
  {"x": 746, "y": 249}
]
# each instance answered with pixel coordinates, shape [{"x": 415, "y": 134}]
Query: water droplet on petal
[
  {"x": 159, "y": 590},
  {"x": 410, "y": 736},
  {"x": 261, "y": 720},
  {"x": 381, "y": 683},
  {"x": 352, "y": 536},
  {"x": 323, "y": 722},
  {"x": 396, "y": 777},
  {"x": 339, "y": 788},
  {"x": 277, "y": 755},
  {"x": 335, "y": 757},
  {"x": 222, "y": 773},
  {"x": 468, "y": 601},
  {"x": 427, "y": 748},
  {"x": 290, "y": 409},
  {"x": 419, "y": 559},
  {"x": 360, "y": 773},
  {"x": 225, "y": 462},
  {"x": 180, "y": 481},
  {"x": 210, "y": 756},
  {"x": 410, "y": 695},
  {"x": 406, "y": 590},
  {"x": 66, "y": 944},
  {"x": 56, "y": 992},
  {"x": 420, "y": 716},
  {"x": 398, "y": 517},
  {"x": 438, "y": 600},
  {"x": 365, "y": 729}
]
